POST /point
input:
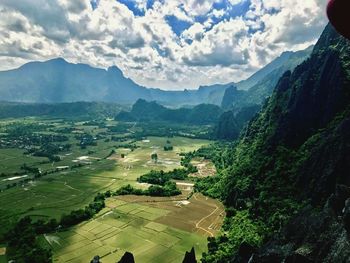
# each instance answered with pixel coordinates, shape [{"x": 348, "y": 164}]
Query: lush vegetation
[
  {"x": 254, "y": 211},
  {"x": 168, "y": 189},
  {"x": 72, "y": 110},
  {"x": 140, "y": 130},
  {"x": 168, "y": 146},
  {"x": 239, "y": 228},
  {"x": 83, "y": 150},
  {"x": 161, "y": 177},
  {"x": 284, "y": 162},
  {"x": 144, "y": 111},
  {"x": 232, "y": 122},
  {"x": 23, "y": 244}
]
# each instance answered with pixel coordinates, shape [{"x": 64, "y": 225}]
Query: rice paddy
[{"x": 153, "y": 229}]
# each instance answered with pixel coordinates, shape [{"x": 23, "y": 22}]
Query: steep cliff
[{"x": 288, "y": 186}]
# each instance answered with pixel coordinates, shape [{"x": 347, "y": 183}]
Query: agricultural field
[
  {"x": 153, "y": 229},
  {"x": 205, "y": 167},
  {"x": 3, "y": 254},
  {"x": 100, "y": 158}
]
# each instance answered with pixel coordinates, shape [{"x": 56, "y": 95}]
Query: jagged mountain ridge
[
  {"x": 260, "y": 85},
  {"x": 286, "y": 61},
  {"x": 295, "y": 153},
  {"x": 56, "y": 81},
  {"x": 145, "y": 111}
]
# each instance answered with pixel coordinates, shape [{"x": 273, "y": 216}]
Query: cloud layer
[{"x": 173, "y": 44}]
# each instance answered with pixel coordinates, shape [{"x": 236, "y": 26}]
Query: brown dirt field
[
  {"x": 205, "y": 168},
  {"x": 202, "y": 215}
]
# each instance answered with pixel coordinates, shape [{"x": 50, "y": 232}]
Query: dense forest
[
  {"x": 286, "y": 183},
  {"x": 71, "y": 110},
  {"x": 152, "y": 111}
]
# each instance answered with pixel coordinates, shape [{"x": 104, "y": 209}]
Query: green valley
[
  {"x": 152, "y": 131},
  {"x": 58, "y": 165}
]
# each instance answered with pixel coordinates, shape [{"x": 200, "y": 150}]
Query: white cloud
[
  {"x": 195, "y": 32},
  {"x": 147, "y": 49},
  {"x": 226, "y": 44}
]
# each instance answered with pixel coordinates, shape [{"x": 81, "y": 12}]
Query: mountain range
[
  {"x": 145, "y": 111},
  {"x": 57, "y": 81},
  {"x": 254, "y": 90}
]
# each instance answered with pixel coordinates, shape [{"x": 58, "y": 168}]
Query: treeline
[
  {"x": 168, "y": 189},
  {"x": 23, "y": 244},
  {"x": 24, "y": 135},
  {"x": 87, "y": 140},
  {"x": 161, "y": 177},
  {"x": 158, "y": 128},
  {"x": 72, "y": 110},
  {"x": 49, "y": 150},
  {"x": 144, "y": 111}
]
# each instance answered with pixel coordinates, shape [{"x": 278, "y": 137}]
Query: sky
[{"x": 167, "y": 44}]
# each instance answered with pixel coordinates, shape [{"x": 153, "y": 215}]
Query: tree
[
  {"x": 96, "y": 259},
  {"x": 127, "y": 258},
  {"x": 168, "y": 147},
  {"x": 190, "y": 257},
  {"x": 154, "y": 157}
]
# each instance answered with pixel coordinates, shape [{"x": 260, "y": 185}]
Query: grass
[
  {"x": 10, "y": 161},
  {"x": 3, "y": 258},
  {"x": 126, "y": 228},
  {"x": 108, "y": 235}
]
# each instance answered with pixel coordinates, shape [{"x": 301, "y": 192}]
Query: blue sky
[
  {"x": 230, "y": 10},
  {"x": 170, "y": 44}
]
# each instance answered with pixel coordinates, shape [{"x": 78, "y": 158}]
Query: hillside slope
[
  {"x": 87, "y": 110},
  {"x": 260, "y": 85},
  {"x": 145, "y": 111},
  {"x": 56, "y": 81},
  {"x": 288, "y": 181}
]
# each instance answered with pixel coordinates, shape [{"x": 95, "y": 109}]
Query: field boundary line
[{"x": 200, "y": 221}]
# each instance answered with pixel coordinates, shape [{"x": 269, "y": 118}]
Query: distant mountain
[
  {"x": 260, "y": 85},
  {"x": 231, "y": 123},
  {"x": 286, "y": 61},
  {"x": 205, "y": 94},
  {"x": 88, "y": 110},
  {"x": 232, "y": 96},
  {"x": 145, "y": 111},
  {"x": 57, "y": 81}
]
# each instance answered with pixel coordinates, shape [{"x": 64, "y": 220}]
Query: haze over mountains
[{"x": 57, "y": 81}]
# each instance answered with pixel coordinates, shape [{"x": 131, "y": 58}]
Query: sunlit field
[{"x": 162, "y": 228}]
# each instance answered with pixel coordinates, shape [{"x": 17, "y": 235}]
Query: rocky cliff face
[
  {"x": 254, "y": 90},
  {"x": 307, "y": 120}
]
